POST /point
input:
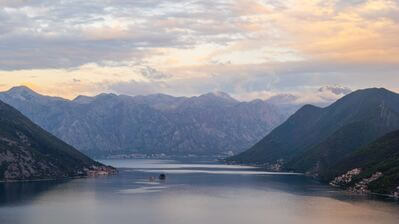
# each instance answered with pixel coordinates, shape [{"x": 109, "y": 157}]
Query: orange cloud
[
  {"x": 359, "y": 33},
  {"x": 240, "y": 38}
]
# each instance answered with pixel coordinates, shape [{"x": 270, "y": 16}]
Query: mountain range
[
  {"x": 109, "y": 124},
  {"x": 27, "y": 152},
  {"x": 318, "y": 140},
  {"x": 352, "y": 143}
]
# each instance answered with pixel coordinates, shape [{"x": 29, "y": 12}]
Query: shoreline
[
  {"x": 63, "y": 178},
  {"x": 365, "y": 193},
  {"x": 264, "y": 166}
]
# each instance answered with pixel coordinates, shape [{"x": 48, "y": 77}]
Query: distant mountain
[
  {"x": 289, "y": 103},
  {"x": 27, "y": 152},
  {"x": 110, "y": 124},
  {"x": 285, "y": 102},
  {"x": 313, "y": 136}
]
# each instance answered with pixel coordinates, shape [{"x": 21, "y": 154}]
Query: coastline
[
  {"x": 93, "y": 174},
  {"x": 269, "y": 168}
]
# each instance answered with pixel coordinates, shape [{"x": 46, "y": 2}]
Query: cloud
[
  {"x": 359, "y": 32},
  {"x": 153, "y": 74},
  {"x": 249, "y": 48},
  {"x": 77, "y": 32}
]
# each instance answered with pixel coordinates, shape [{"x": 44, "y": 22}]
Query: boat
[{"x": 162, "y": 176}]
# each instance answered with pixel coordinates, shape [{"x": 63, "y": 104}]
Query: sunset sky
[{"x": 247, "y": 48}]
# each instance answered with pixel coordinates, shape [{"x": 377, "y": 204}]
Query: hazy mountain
[
  {"x": 313, "y": 138},
  {"x": 286, "y": 103},
  {"x": 117, "y": 124},
  {"x": 289, "y": 103},
  {"x": 28, "y": 152}
]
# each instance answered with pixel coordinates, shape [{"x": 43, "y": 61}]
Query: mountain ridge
[
  {"x": 312, "y": 125},
  {"x": 117, "y": 124},
  {"x": 326, "y": 143}
]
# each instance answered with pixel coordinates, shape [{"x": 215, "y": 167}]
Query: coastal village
[
  {"x": 346, "y": 179},
  {"x": 94, "y": 171}
]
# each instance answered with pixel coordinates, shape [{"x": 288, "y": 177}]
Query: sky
[{"x": 247, "y": 48}]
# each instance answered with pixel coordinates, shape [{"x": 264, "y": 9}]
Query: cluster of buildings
[
  {"x": 346, "y": 178},
  {"x": 100, "y": 171},
  {"x": 361, "y": 187},
  {"x": 396, "y": 193}
]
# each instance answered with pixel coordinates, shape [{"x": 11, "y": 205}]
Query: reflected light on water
[{"x": 204, "y": 193}]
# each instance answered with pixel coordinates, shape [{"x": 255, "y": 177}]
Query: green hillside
[
  {"x": 313, "y": 132},
  {"x": 323, "y": 142},
  {"x": 380, "y": 156}
]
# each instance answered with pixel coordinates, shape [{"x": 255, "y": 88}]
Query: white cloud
[{"x": 248, "y": 48}]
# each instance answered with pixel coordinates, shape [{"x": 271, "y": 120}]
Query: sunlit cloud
[{"x": 248, "y": 48}]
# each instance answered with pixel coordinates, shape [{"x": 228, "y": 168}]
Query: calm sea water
[{"x": 193, "y": 193}]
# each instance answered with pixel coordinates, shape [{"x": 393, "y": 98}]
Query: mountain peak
[
  {"x": 369, "y": 94},
  {"x": 105, "y": 96},
  {"x": 24, "y": 93},
  {"x": 83, "y": 99},
  {"x": 363, "y": 102},
  {"x": 21, "y": 93},
  {"x": 220, "y": 95},
  {"x": 373, "y": 91},
  {"x": 21, "y": 89}
]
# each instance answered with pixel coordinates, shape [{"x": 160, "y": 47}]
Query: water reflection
[
  {"x": 22, "y": 192},
  {"x": 212, "y": 194}
]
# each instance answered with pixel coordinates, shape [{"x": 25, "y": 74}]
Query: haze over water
[{"x": 193, "y": 193}]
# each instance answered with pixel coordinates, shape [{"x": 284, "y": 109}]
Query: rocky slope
[
  {"x": 27, "y": 152},
  {"x": 110, "y": 124}
]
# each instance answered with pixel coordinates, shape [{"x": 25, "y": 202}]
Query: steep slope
[
  {"x": 375, "y": 114},
  {"x": 110, "y": 124},
  {"x": 286, "y": 140},
  {"x": 380, "y": 157},
  {"x": 313, "y": 136},
  {"x": 28, "y": 152}
]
